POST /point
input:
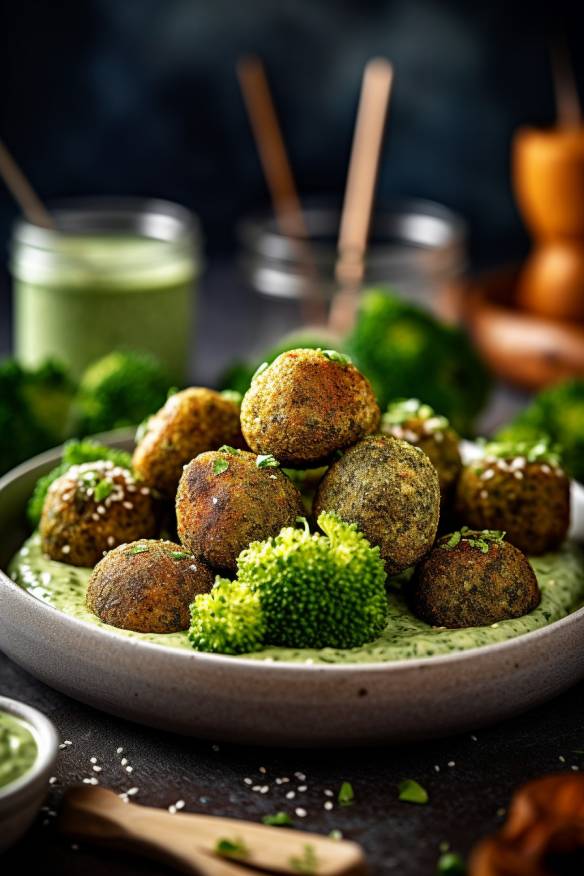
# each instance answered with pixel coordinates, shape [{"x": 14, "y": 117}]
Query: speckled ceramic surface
[{"x": 227, "y": 699}]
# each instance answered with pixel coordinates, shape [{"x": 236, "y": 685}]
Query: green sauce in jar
[
  {"x": 18, "y": 748},
  {"x": 111, "y": 275}
]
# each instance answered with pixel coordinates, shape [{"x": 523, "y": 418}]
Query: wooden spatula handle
[{"x": 188, "y": 841}]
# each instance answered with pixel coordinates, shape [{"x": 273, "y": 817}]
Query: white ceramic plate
[{"x": 231, "y": 699}]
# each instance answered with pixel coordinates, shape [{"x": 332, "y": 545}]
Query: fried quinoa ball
[
  {"x": 91, "y": 509},
  {"x": 417, "y": 424},
  {"x": 520, "y": 489},
  {"x": 191, "y": 421},
  {"x": 472, "y": 579},
  {"x": 306, "y": 405},
  {"x": 147, "y": 586},
  {"x": 389, "y": 488},
  {"x": 229, "y": 498}
]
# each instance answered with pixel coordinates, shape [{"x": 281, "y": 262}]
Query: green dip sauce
[
  {"x": 560, "y": 576},
  {"x": 18, "y": 749}
]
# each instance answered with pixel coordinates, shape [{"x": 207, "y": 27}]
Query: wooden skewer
[
  {"x": 189, "y": 842},
  {"x": 569, "y": 110},
  {"x": 360, "y": 191},
  {"x": 279, "y": 177},
  {"x": 22, "y": 191}
]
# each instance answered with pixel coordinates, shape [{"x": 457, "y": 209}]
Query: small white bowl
[{"x": 21, "y": 800}]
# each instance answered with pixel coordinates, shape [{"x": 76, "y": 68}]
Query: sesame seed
[
  {"x": 328, "y": 805},
  {"x": 290, "y": 795},
  {"x": 436, "y": 767},
  {"x": 52, "y": 780},
  {"x": 518, "y": 475},
  {"x": 100, "y": 509},
  {"x": 129, "y": 769},
  {"x": 302, "y": 788},
  {"x": 128, "y": 505},
  {"x": 329, "y": 793},
  {"x": 300, "y": 776},
  {"x": 484, "y": 494},
  {"x": 501, "y": 811},
  {"x": 562, "y": 759},
  {"x": 145, "y": 491},
  {"x": 264, "y": 789},
  {"x": 66, "y": 549},
  {"x": 180, "y": 804},
  {"x": 451, "y": 763},
  {"x": 111, "y": 540},
  {"x": 119, "y": 750},
  {"x": 256, "y": 788},
  {"x": 124, "y": 761},
  {"x": 574, "y": 768},
  {"x": 249, "y": 781},
  {"x": 92, "y": 760},
  {"x": 215, "y": 748},
  {"x": 474, "y": 738},
  {"x": 172, "y": 810},
  {"x": 95, "y": 517},
  {"x": 301, "y": 813},
  {"x": 132, "y": 792},
  {"x": 263, "y": 770},
  {"x": 96, "y": 769}
]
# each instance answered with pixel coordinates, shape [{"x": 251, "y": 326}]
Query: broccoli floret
[
  {"x": 74, "y": 453},
  {"x": 228, "y": 620},
  {"x": 405, "y": 351},
  {"x": 122, "y": 389},
  {"x": 35, "y": 410},
  {"x": 557, "y": 414},
  {"x": 297, "y": 590}
]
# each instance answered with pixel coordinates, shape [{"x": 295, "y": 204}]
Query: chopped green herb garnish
[
  {"x": 335, "y": 356},
  {"x": 279, "y": 819},
  {"x": 450, "y": 864},
  {"x": 179, "y": 555},
  {"x": 402, "y": 410},
  {"x": 226, "y": 448},
  {"x": 102, "y": 490},
  {"x": 336, "y": 834},
  {"x": 266, "y": 460},
  {"x": 307, "y": 864},
  {"x": 260, "y": 370},
  {"x": 411, "y": 791},
  {"x": 480, "y": 540},
  {"x": 346, "y": 795},
  {"x": 531, "y": 451},
  {"x": 452, "y": 541},
  {"x": 138, "y": 549},
  {"x": 219, "y": 466},
  {"x": 228, "y": 848},
  {"x": 233, "y": 396}
]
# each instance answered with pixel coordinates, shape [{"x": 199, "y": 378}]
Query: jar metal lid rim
[{"x": 92, "y": 214}]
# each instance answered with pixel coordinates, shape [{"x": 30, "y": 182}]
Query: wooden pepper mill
[{"x": 548, "y": 178}]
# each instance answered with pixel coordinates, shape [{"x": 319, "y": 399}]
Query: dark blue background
[{"x": 140, "y": 97}]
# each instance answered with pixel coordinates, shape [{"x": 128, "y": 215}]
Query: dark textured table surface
[{"x": 469, "y": 778}]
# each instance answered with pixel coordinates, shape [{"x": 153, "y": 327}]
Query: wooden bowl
[{"x": 526, "y": 349}]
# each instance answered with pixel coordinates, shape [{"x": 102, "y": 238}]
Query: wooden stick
[
  {"x": 279, "y": 177},
  {"x": 568, "y": 107},
  {"x": 22, "y": 191},
  {"x": 360, "y": 190}
]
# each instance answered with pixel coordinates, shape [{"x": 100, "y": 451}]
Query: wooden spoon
[
  {"x": 360, "y": 191},
  {"x": 188, "y": 842}
]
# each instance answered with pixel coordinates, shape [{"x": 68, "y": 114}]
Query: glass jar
[
  {"x": 113, "y": 274},
  {"x": 416, "y": 247}
]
